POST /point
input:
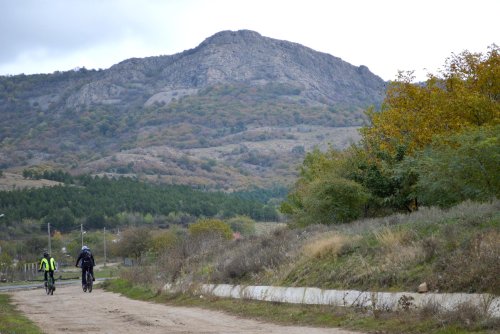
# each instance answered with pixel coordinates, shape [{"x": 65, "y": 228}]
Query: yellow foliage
[
  {"x": 165, "y": 241},
  {"x": 466, "y": 95}
]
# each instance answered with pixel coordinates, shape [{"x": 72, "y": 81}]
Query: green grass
[
  {"x": 12, "y": 321},
  {"x": 299, "y": 315},
  {"x": 106, "y": 272}
]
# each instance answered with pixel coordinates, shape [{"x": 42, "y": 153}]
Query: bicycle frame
[{"x": 50, "y": 287}]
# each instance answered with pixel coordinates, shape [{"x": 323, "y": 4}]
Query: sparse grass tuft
[{"x": 390, "y": 238}]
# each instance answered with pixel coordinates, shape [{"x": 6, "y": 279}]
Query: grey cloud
[{"x": 60, "y": 27}]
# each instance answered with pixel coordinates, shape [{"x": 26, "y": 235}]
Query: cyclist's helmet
[
  {"x": 45, "y": 254},
  {"x": 85, "y": 248}
]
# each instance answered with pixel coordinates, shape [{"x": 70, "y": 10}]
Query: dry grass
[
  {"x": 266, "y": 228},
  {"x": 401, "y": 257},
  {"x": 327, "y": 246},
  {"x": 390, "y": 238},
  {"x": 10, "y": 181},
  {"x": 473, "y": 266}
]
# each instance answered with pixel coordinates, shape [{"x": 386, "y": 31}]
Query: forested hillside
[
  {"x": 254, "y": 102},
  {"x": 103, "y": 202}
]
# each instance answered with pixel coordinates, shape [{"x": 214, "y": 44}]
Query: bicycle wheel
[
  {"x": 49, "y": 288},
  {"x": 90, "y": 282}
]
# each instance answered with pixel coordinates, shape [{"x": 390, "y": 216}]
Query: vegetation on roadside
[
  {"x": 12, "y": 321},
  {"x": 452, "y": 250},
  {"x": 463, "y": 320}
]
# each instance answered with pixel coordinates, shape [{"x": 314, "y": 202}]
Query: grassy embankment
[{"x": 453, "y": 250}]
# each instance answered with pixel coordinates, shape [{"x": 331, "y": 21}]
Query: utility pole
[
  {"x": 48, "y": 230},
  {"x": 1, "y": 215},
  {"x": 105, "y": 247},
  {"x": 81, "y": 232}
]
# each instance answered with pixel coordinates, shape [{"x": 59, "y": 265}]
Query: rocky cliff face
[{"x": 236, "y": 57}]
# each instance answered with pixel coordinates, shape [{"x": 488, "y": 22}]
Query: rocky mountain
[{"x": 239, "y": 109}]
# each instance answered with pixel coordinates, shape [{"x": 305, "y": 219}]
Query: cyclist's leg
[
  {"x": 92, "y": 272},
  {"x": 45, "y": 277}
]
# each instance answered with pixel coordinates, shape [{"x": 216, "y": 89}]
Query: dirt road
[{"x": 70, "y": 310}]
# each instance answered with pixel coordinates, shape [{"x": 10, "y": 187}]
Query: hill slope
[{"x": 238, "y": 109}]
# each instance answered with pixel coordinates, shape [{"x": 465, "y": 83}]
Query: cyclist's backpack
[{"x": 86, "y": 258}]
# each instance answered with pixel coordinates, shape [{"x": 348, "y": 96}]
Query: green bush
[
  {"x": 242, "y": 224},
  {"x": 460, "y": 167},
  {"x": 133, "y": 243},
  {"x": 210, "y": 227},
  {"x": 334, "y": 200}
]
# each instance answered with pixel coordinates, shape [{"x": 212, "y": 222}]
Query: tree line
[{"x": 100, "y": 202}]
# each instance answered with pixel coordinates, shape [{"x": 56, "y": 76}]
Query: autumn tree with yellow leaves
[
  {"x": 433, "y": 142},
  {"x": 466, "y": 95}
]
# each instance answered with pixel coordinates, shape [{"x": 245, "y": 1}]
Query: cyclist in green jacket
[{"x": 48, "y": 265}]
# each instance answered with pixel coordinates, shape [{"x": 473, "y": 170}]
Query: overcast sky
[{"x": 43, "y": 36}]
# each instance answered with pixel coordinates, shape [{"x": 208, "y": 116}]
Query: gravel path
[{"x": 70, "y": 310}]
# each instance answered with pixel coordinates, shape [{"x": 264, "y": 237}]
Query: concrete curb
[{"x": 490, "y": 304}]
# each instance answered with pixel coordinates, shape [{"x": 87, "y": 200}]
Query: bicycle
[
  {"x": 88, "y": 282},
  {"x": 50, "y": 285}
]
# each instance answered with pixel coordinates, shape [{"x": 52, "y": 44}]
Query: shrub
[
  {"x": 165, "y": 241},
  {"x": 334, "y": 200},
  {"x": 249, "y": 258},
  {"x": 133, "y": 243},
  {"x": 460, "y": 167},
  {"x": 210, "y": 227},
  {"x": 242, "y": 224},
  {"x": 473, "y": 266}
]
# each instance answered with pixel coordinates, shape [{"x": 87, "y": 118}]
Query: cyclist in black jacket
[{"x": 87, "y": 264}]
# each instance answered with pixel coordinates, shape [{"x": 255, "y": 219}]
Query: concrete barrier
[{"x": 352, "y": 298}]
